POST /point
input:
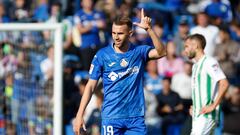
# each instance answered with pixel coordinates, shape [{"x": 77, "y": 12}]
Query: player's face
[
  {"x": 190, "y": 47},
  {"x": 120, "y": 34}
]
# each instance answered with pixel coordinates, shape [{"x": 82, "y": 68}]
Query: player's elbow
[
  {"x": 162, "y": 53},
  {"x": 224, "y": 84}
]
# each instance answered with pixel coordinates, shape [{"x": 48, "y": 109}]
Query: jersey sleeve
[
  {"x": 145, "y": 49},
  {"x": 214, "y": 70},
  {"x": 76, "y": 18},
  {"x": 95, "y": 70},
  {"x": 101, "y": 15}
]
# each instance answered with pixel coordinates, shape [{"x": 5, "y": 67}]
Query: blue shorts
[{"x": 128, "y": 126}]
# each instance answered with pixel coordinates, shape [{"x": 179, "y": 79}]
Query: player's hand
[
  {"x": 207, "y": 109},
  {"x": 191, "y": 110},
  {"x": 145, "y": 22},
  {"x": 78, "y": 123}
]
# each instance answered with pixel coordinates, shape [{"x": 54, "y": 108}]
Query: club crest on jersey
[
  {"x": 123, "y": 63},
  {"x": 215, "y": 67}
]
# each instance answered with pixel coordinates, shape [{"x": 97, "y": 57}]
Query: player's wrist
[
  {"x": 149, "y": 28},
  {"x": 214, "y": 105}
]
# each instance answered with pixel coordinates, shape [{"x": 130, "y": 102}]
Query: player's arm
[
  {"x": 81, "y": 28},
  {"x": 159, "y": 50},
  {"x": 100, "y": 24},
  {"x": 222, "y": 89},
  {"x": 84, "y": 29},
  {"x": 88, "y": 91},
  {"x": 216, "y": 73}
]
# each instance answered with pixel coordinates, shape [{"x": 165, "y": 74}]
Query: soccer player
[
  {"x": 209, "y": 85},
  {"x": 121, "y": 66}
]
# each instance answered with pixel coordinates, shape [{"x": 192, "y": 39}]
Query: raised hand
[{"x": 145, "y": 22}]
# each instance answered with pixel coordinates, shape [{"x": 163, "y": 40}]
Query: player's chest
[{"x": 121, "y": 62}]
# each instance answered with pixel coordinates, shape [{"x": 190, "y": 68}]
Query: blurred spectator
[
  {"x": 142, "y": 37},
  {"x": 55, "y": 13},
  {"x": 19, "y": 12},
  {"x": 89, "y": 22},
  {"x": 3, "y": 17},
  {"x": 181, "y": 84},
  {"x": 1, "y": 71},
  {"x": 125, "y": 7},
  {"x": 228, "y": 54},
  {"x": 197, "y": 6},
  {"x": 47, "y": 64},
  {"x": 170, "y": 106},
  {"x": 218, "y": 9},
  {"x": 182, "y": 33},
  {"x": 152, "y": 87},
  {"x": 93, "y": 102},
  {"x": 161, "y": 32},
  {"x": 68, "y": 45},
  {"x": 54, "y": 17},
  {"x": 237, "y": 11},
  {"x": 9, "y": 61},
  {"x": 210, "y": 32},
  {"x": 152, "y": 119},
  {"x": 231, "y": 109},
  {"x": 40, "y": 13},
  {"x": 94, "y": 121},
  {"x": 41, "y": 123},
  {"x": 71, "y": 93},
  {"x": 235, "y": 31},
  {"x": 152, "y": 79},
  {"x": 10, "y": 128},
  {"x": 110, "y": 12},
  {"x": 24, "y": 93},
  {"x": 171, "y": 64}
]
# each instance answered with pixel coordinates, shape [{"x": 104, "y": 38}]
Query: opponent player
[
  {"x": 121, "y": 66},
  {"x": 209, "y": 85}
]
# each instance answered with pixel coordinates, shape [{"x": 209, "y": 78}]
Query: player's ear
[{"x": 130, "y": 33}]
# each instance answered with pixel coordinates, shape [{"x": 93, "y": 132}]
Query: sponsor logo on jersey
[
  {"x": 130, "y": 71},
  {"x": 113, "y": 76},
  {"x": 215, "y": 67}
]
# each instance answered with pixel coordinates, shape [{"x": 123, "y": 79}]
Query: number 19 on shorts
[{"x": 108, "y": 130}]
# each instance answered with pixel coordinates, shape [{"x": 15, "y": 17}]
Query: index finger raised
[{"x": 142, "y": 13}]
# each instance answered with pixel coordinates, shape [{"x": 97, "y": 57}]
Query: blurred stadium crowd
[{"x": 26, "y": 61}]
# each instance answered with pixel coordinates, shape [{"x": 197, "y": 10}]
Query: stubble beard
[{"x": 191, "y": 55}]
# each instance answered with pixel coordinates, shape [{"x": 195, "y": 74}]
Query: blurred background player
[{"x": 209, "y": 85}]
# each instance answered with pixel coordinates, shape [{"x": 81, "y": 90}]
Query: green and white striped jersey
[{"x": 206, "y": 74}]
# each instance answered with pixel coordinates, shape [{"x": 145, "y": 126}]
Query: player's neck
[
  {"x": 199, "y": 56},
  {"x": 122, "y": 49}
]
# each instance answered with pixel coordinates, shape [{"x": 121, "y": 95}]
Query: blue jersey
[
  {"x": 122, "y": 75},
  {"x": 90, "y": 38}
]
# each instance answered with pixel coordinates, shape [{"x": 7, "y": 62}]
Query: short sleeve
[
  {"x": 95, "y": 70},
  {"x": 145, "y": 49},
  {"x": 214, "y": 70}
]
